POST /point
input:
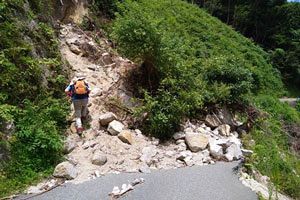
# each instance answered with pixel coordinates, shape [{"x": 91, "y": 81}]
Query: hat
[{"x": 79, "y": 77}]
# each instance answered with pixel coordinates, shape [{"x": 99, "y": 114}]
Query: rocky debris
[
  {"x": 224, "y": 129},
  {"x": 233, "y": 152},
  {"x": 75, "y": 49},
  {"x": 212, "y": 121},
  {"x": 106, "y": 118},
  {"x": 115, "y": 127},
  {"x": 147, "y": 154},
  {"x": 89, "y": 143},
  {"x": 179, "y": 135},
  {"x": 106, "y": 59},
  {"x": 69, "y": 145},
  {"x": 126, "y": 136},
  {"x": 65, "y": 170},
  {"x": 196, "y": 142},
  {"x": 117, "y": 193},
  {"x": 99, "y": 159}
]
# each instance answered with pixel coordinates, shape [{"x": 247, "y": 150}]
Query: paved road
[{"x": 214, "y": 182}]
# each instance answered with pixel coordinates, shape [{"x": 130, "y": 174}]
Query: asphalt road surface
[{"x": 213, "y": 182}]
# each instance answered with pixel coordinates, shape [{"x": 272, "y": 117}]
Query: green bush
[{"x": 190, "y": 58}]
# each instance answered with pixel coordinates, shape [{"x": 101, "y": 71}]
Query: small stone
[
  {"x": 97, "y": 173},
  {"x": 224, "y": 130},
  {"x": 196, "y": 142},
  {"x": 106, "y": 58},
  {"x": 125, "y": 136},
  {"x": 180, "y": 141},
  {"x": 69, "y": 145},
  {"x": 99, "y": 159},
  {"x": 179, "y": 135},
  {"x": 65, "y": 170},
  {"x": 184, "y": 155},
  {"x": 96, "y": 92},
  {"x": 75, "y": 49},
  {"x": 106, "y": 118},
  {"x": 115, "y": 127},
  {"x": 147, "y": 154},
  {"x": 145, "y": 169},
  {"x": 247, "y": 152}
]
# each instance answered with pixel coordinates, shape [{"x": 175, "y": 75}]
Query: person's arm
[{"x": 68, "y": 90}]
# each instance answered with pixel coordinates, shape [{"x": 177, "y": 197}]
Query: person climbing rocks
[{"x": 79, "y": 91}]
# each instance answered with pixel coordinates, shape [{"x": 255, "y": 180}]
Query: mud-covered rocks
[{"x": 65, "y": 170}]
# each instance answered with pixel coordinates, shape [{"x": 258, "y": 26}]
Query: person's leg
[
  {"x": 78, "y": 106},
  {"x": 84, "y": 108}
]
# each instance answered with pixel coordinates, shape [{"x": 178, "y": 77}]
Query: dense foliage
[
  {"x": 31, "y": 81},
  {"x": 195, "y": 58},
  {"x": 275, "y": 25}
]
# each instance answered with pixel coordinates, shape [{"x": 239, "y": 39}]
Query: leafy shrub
[{"x": 192, "y": 57}]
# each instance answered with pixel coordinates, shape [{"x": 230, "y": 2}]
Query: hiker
[{"x": 79, "y": 91}]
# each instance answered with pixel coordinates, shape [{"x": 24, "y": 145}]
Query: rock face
[
  {"x": 115, "y": 127},
  {"x": 224, "y": 130},
  {"x": 106, "y": 118},
  {"x": 126, "y": 136},
  {"x": 99, "y": 159},
  {"x": 196, "y": 142},
  {"x": 65, "y": 170}
]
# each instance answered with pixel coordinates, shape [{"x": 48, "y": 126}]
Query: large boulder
[
  {"x": 196, "y": 142},
  {"x": 99, "y": 159},
  {"x": 65, "y": 170},
  {"x": 106, "y": 118},
  {"x": 126, "y": 136},
  {"x": 115, "y": 127},
  {"x": 215, "y": 149}
]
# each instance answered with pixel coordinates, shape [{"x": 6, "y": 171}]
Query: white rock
[
  {"x": 147, "y": 154},
  {"x": 115, "y": 127},
  {"x": 96, "y": 92},
  {"x": 99, "y": 159},
  {"x": 180, "y": 141},
  {"x": 65, "y": 170},
  {"x": 224, "y": 130},
  {"x": 196, "y": 142},
  {"x": 215, "y": 149},
  {"x": 184, "y": 154},
  {"x": 145, "y": 169},
  {"x": 106, "y": 118},
  {"x": 75, "y": 49},
  {"x": 233, "y": 152},
  {"x": 69, "y": 145},
  {"x": 179, "y": 135}
]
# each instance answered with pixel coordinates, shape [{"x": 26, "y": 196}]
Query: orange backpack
[{"x": 80, "y": 87}]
